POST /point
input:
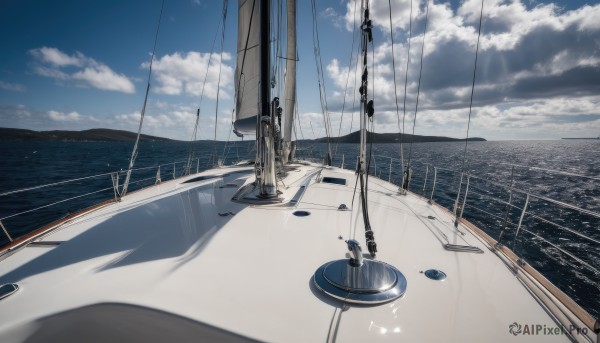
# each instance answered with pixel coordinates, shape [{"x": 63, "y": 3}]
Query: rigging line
[
  {"x": 405, "y": 88},
  {"x": 354, "y": 96},
  {"x": 277, "y": 68},
  {"x": 322, "y": 89},
  {"x": 298, "y": 118},
  {"x": 367, "y": 111},
  {"x": 143, "y": 112},
  {"x": 311, "y": 128},
  {"x": 219, "y": 80},
  {"x": 462, "y": 168},
  {"x": 347, "y": 79},
  {"x": 371, "y": 121},
  {"x": 394, "y": 70},
  {"x": 228, "y": 138},
  {"x": 355, "y": 75},
  {"x": 192, "y": 150},
  {"x": 418, "y": 86}
]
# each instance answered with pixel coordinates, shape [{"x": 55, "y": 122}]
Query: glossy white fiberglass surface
[{"x": 186, "y": 249}]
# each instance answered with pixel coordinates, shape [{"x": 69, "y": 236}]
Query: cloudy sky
[{"x": 83, "y": 64}]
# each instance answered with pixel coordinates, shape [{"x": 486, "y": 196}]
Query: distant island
[
  {"x": 595, "y": 138},
  {"x": 354, "y": 137},
  {"x": 107, "y": 135},
  {"x": 94, "y": 135}
]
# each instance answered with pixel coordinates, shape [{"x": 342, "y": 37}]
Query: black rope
[
  {"x": 369, "y": 110},
  {"x": 370, "y": 113},
  {"x": 407, "y": 180}
]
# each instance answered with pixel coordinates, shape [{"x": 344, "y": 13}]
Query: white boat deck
[{"x": 193, "y": 259}]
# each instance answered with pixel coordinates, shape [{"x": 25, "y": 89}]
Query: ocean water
[{"x": 559, "y": 233}]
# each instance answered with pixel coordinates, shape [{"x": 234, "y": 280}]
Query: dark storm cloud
[{"x": 579, "y": 81}]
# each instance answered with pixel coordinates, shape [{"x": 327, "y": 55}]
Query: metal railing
[
  {"x": 538, "y": 228},
  {"x": 175, "y": 169},
  {"x": 511, "y": 210}
]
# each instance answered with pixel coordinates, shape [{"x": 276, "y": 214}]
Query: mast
[
  {"x": 290, "y": 82},
  {"x": 265, "y": 130}
]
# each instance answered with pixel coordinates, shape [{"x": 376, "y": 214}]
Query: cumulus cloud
[
  {"x": 335, "y": 17},
  {"x": 60, "y": 116},
  {"x": 186, "y": 73},
  {"x": 15, "y": 87},
  {"x": 57, "y": 58},
  {"x": 532, "y": 60},
  {"x": 79, "y": 69},
  {"x": 174, "y": 120},
  {"x": 21, "y": 116}
]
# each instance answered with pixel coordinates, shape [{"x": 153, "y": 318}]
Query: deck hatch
[
  {"x": 334, "y": 180},
  {"x": 8, "y": 289}
]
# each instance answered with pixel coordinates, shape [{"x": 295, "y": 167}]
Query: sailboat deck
[{"x": 188, "y": 251}]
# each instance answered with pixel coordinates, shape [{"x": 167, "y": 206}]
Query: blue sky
[{"x": 83, "y": 64}]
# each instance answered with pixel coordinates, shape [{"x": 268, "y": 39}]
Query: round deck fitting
[
  {"x": 373, "y": 282},
  {"x": 435, "y": 274}
]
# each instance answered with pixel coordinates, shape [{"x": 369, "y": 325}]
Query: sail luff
[
  {"x": 289, "y": 105},
  {"x": 247, "y": 71},
  {"x": 290, "y": 72}
]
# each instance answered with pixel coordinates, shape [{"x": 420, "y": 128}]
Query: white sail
[{"x": 248, "y": 68}]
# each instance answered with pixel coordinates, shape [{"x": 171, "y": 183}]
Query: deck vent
[
  {"x": 334, "y": 180},
  {"x": 359, "y": 281},
  {"x": 8, "y": 289},
  {"x": 301, "y": 213},
  {"x": 201, "y": 178},
  {"x": 435, "y": 274}
]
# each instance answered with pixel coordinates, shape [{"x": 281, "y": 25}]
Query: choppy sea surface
[{"x": 559, "y": 234}]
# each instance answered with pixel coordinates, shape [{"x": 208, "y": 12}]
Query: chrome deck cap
[{"x": 370, "y": 282}]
